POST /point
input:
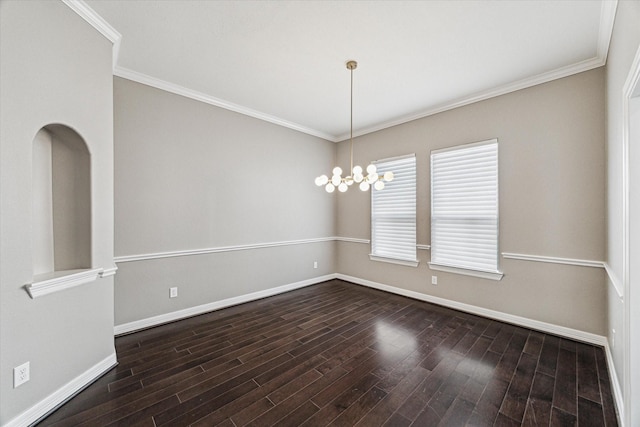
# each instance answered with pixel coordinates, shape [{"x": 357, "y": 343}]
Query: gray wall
[
  {"x": 192, "y": 176},
  {"x": 552, "y": 201},
  {"x": 55, "y": 68},
  {"x": 624, "y": 45}
]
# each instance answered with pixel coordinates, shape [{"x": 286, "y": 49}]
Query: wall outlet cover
[{"x": 21, "y": 374}]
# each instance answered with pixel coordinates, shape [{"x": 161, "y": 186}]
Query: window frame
[
  {"x": 468, "y": 270},
  {"x": 391, "y": 259}
]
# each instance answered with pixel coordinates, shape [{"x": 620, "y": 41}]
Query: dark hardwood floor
[{"x": 341, "y": 354}]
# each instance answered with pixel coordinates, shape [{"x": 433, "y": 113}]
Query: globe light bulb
[
  {"x": 318, "y": 182},
  {"x": 330, "y": 188},
  {"x": 371, "y": 169},
  {"x": 348, "y": 180},
  {"x": 337, "y": 170},
  {"x": 335, "y": 180},
  {"x": 343, "y": 187},
  {"x": 388, "y": 176},
  {"x": 364, "y": 186},
  {"x": 357, "y": 177},
  {"x": 372, "y": 177},
  {"x": 357, "y": 170},
  {"x": 379, "y": 185}
]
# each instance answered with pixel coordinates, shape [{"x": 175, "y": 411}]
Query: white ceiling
[{"x": 284, "y": 61}]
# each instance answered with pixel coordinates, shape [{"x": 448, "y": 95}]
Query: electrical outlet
[
  {"x": 173, "y": 292},
  {"x": 21, "y": 374},
  {"x": 315, "y": 264},
  {"x": 434, "y": 280}
]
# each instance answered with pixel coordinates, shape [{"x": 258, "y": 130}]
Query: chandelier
[{"x": 371, "y": 178}]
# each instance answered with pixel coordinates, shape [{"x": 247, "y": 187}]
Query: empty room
[{"x": 319, "y": 213}]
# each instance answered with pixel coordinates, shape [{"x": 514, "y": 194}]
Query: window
[
  {"x": 393, "y": 213},
  {"x": 464, "y": 209}
]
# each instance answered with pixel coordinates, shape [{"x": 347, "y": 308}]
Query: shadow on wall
[{"x": 61, "y": 206}]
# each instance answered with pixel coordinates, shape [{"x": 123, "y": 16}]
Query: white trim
[
  {"x": 465, "y": 146},
  {"x": 216, "y": 305},
  {"x": 63, "y": 394},
  {"x": 189, "y": 252},
  {"x": 615, "y": 282},
  {"x": 97, "y": 22},
  {"x": 615, "y": 385},
  {"x": 44, "y": 284},
  {"x": 208, "y": 99},
  {"x": 607, "y": 18},
  {"x": 554, "y": 260},
  {"x": 352, "y": 240},
  {"x": 404, "y": 262},
  {"x": 393, "y": 159},
  {"x": 109, "y": 272},
  {"x": 632, "y": 83},
  {"x": 570, "y": 70},
  {"x": 485, "y": 312},
  {"x": 138, "y": 77},
  {"x": 157, "y": 255},
  {"x": 497, "y": 276}
]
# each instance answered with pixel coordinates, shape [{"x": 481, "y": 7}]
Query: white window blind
[
  {"x": 464, "y": 207},
  {"x": 393, "y": 212}
]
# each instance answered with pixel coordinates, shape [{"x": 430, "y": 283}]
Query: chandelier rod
[{"x": 351, "y": 65}]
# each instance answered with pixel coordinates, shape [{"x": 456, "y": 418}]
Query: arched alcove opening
[{"x": 61, "y": 194}]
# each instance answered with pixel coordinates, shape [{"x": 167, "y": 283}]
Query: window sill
[
  {"x": 497, "y": 276},
  {"x": 47, "y": 283},
  {"x": 394, "y": 260}
]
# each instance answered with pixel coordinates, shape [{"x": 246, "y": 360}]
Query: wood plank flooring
[{"x": 341, "y": 354}]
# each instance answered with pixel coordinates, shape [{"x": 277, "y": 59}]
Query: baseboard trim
[
  {"x": 137, "y": 325},
  {"x": 615, "y": 385},
  {"x": 485, "y": 312},
  {"x": 63, "y": 394},
  {"x": 516, "y": 320},
  {"x": 468, "y": 308}
]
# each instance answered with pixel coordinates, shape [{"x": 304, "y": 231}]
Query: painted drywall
[
  {"x": 625, "y": 42},
  {"x": 55, "y": 69},
  {"x": 552, "y": 201},
  {"x": 192, "y": 176},
  {"x": 71, "y": 193},
  {"x": 42, "y": 190}
]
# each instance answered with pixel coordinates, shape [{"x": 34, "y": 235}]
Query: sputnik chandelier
[{"x": 357, "y": 174}]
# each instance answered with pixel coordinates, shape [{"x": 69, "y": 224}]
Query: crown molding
[
  {"x": 97, "y": 22},
  {"x": 203, "y": 97},
  {"x": 559, "y": 73},
  {"x": 607, "y": 18}
]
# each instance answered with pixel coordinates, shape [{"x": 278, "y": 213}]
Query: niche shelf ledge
[{"x": 47, "y": 283}]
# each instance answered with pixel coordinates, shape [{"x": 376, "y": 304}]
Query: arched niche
[{"x": 61, "y": 212}]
